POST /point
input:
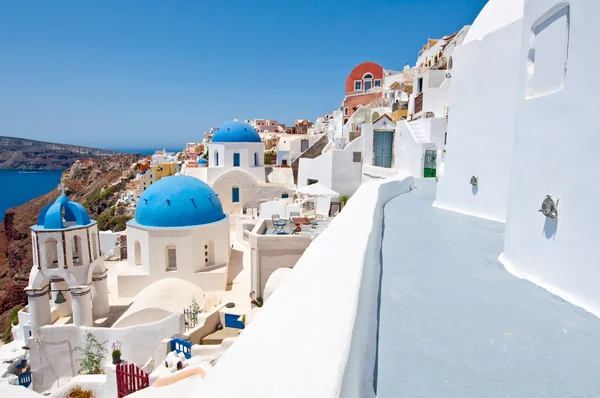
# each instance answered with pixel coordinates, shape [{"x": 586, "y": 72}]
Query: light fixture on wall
[
  {"x": 550, "y": 207},
  {"x": 474, "y": 181}
]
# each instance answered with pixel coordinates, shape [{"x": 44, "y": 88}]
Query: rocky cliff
[
  {"x": 23, "y": 154},
  {"x": 95, "y": 183}
]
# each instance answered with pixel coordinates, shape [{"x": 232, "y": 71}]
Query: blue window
[
  {"x": 236, "y": 160},
  {"x": 235, "y": 195},
  {"x": 383, "y": 149},
  {"x": 284, "y": 195},
  {"x": 256, "y": 158},
  {"x": 216, "y": 158}
]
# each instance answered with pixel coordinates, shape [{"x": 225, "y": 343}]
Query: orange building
[{"x": 361, "y": 87}]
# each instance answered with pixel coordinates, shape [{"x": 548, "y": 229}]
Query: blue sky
[{"x": 139, "y": 74}]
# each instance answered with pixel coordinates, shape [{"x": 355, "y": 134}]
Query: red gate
[{"x": 130, "y": 379}]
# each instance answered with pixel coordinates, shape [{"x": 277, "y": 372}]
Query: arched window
[
  {"x": 94, "y": 246},
  {"x": 51, "y": 253},
  {"x": 368, "y": 81},
  {"x": 138, "y": 253},
  {"x": 171, "y": 258},
  {"x": 76, "y": 251}
]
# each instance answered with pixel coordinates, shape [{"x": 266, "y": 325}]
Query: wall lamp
[
  {"x": 474, "y": 181},
  {"x": 550, "y": 207}
]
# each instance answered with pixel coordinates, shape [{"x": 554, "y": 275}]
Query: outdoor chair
[{"x": 278, "y": 224}]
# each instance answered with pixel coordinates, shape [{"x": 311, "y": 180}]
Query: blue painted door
[
  {"x": 235, "y": 195},
  {"x": 236, "y": 160},
  {"x": 382, "y": 150},
  {"x": 231, "y": 321}
]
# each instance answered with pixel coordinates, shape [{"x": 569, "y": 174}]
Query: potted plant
[
  {"x": 78, "y": 392},
  {"x": 116, "y": 352}
]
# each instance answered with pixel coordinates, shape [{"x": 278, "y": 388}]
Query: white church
[
  {"x": 179, "y": 231},
  {"x": 67, "y": 267},
  {"x": 236, "y": 169}
]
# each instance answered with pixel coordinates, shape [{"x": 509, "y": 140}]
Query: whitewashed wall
[
  {"x": 110, "y": 241},
  {"x": 481, "y": 124},
  {"x": 334, "y": 283},
  {"x": 57, "y": 360},
  {"x": 226, "y": 151},
  {"x": 555, "y": 154},
  {"x": 190, "y": 253}
]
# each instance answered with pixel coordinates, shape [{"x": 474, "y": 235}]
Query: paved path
[{"x": 454, "y": 323}]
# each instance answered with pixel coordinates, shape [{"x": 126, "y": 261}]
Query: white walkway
[{"x": 454, "y": 323}]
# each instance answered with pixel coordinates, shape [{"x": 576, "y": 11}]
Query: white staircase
[{"x": 417, "y": 132}]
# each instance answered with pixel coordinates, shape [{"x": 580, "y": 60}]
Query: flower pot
[{"x": 116, "y": 359}]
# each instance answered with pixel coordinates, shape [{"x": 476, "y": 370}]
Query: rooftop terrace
[{"x": 455, "y": 323}]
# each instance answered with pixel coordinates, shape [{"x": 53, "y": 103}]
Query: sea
[{"x": 20, "y": 186}]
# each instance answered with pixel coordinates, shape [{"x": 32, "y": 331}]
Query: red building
[{"x": 361, "y": 87}]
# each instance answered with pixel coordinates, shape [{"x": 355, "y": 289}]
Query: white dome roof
[
  {"x": 495, "y": 15},
  {"x": 159, "y": 300}
]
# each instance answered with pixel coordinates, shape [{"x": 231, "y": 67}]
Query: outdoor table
[{"x": 299, "y": 221}]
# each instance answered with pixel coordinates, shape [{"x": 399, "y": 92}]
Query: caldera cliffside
[{"x": 96, "y": 183}]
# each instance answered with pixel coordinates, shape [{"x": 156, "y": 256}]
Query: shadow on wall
[
  {"x": 550, "y": 227},
  {"x": 235, "y": 266},
  {"x": 474, "y": 190}
]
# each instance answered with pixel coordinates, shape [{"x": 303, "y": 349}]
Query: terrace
[{"x": 421, "y": 308}]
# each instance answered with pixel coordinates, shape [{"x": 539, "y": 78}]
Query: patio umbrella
[{"x": 317, "y": 190}]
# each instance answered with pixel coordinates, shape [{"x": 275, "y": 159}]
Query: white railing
[{"x": 320, "y": 326}]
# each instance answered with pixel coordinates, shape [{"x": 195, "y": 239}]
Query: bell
[{"x": 60, "y": 298}]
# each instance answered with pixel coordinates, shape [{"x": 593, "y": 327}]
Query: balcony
[{"x": 418, "y": 104}]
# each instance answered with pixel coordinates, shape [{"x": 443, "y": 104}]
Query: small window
[
  {"x": 255, "y": 158},
  {"x": 377, "y": 83},
  {"x": 171, "y": 258},
  {"x": 357, "y": 85},
  {"x": 285, "y": 195},
  {"x": 216, "y": 158},
  {"x": 346, "y": 111},
  {"x": 356, "y": 157},
  {"x": 235, "y": 195},
  {"x": 310, "y": 181},
  {"x": 368, "y": 76},
  {"x": 236, "y": 160}
]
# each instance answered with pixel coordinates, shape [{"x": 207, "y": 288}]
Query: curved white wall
[{"x": 315, "y": 336}]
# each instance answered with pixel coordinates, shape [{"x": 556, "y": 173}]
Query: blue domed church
[
  {"x": 179, "y": 231},
  {"x": 236, "y": 169},
  {"x": 67, "y": 267}
]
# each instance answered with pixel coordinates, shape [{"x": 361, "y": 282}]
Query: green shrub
[{"x": 93, "y": 354}]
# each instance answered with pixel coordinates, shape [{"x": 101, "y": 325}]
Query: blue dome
[
  {"x": 236, "y": 132},
  {"x": 202, "y": 161},
  {"x": 178, "y": 201},
  {"x": 54, "y": 215}
]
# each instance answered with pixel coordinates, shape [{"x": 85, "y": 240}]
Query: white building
[
  {"x": 179, "y": 231},
  {"x": 292, "y": 146},
  {"x": 67, "y": 267},
  {"x": 339, "y": 170},
  {"x": 236, "y": 169},
  {"x": 481, "y": 125}
]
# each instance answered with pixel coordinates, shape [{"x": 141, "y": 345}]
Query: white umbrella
[{"x": 317, "y": 190}]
